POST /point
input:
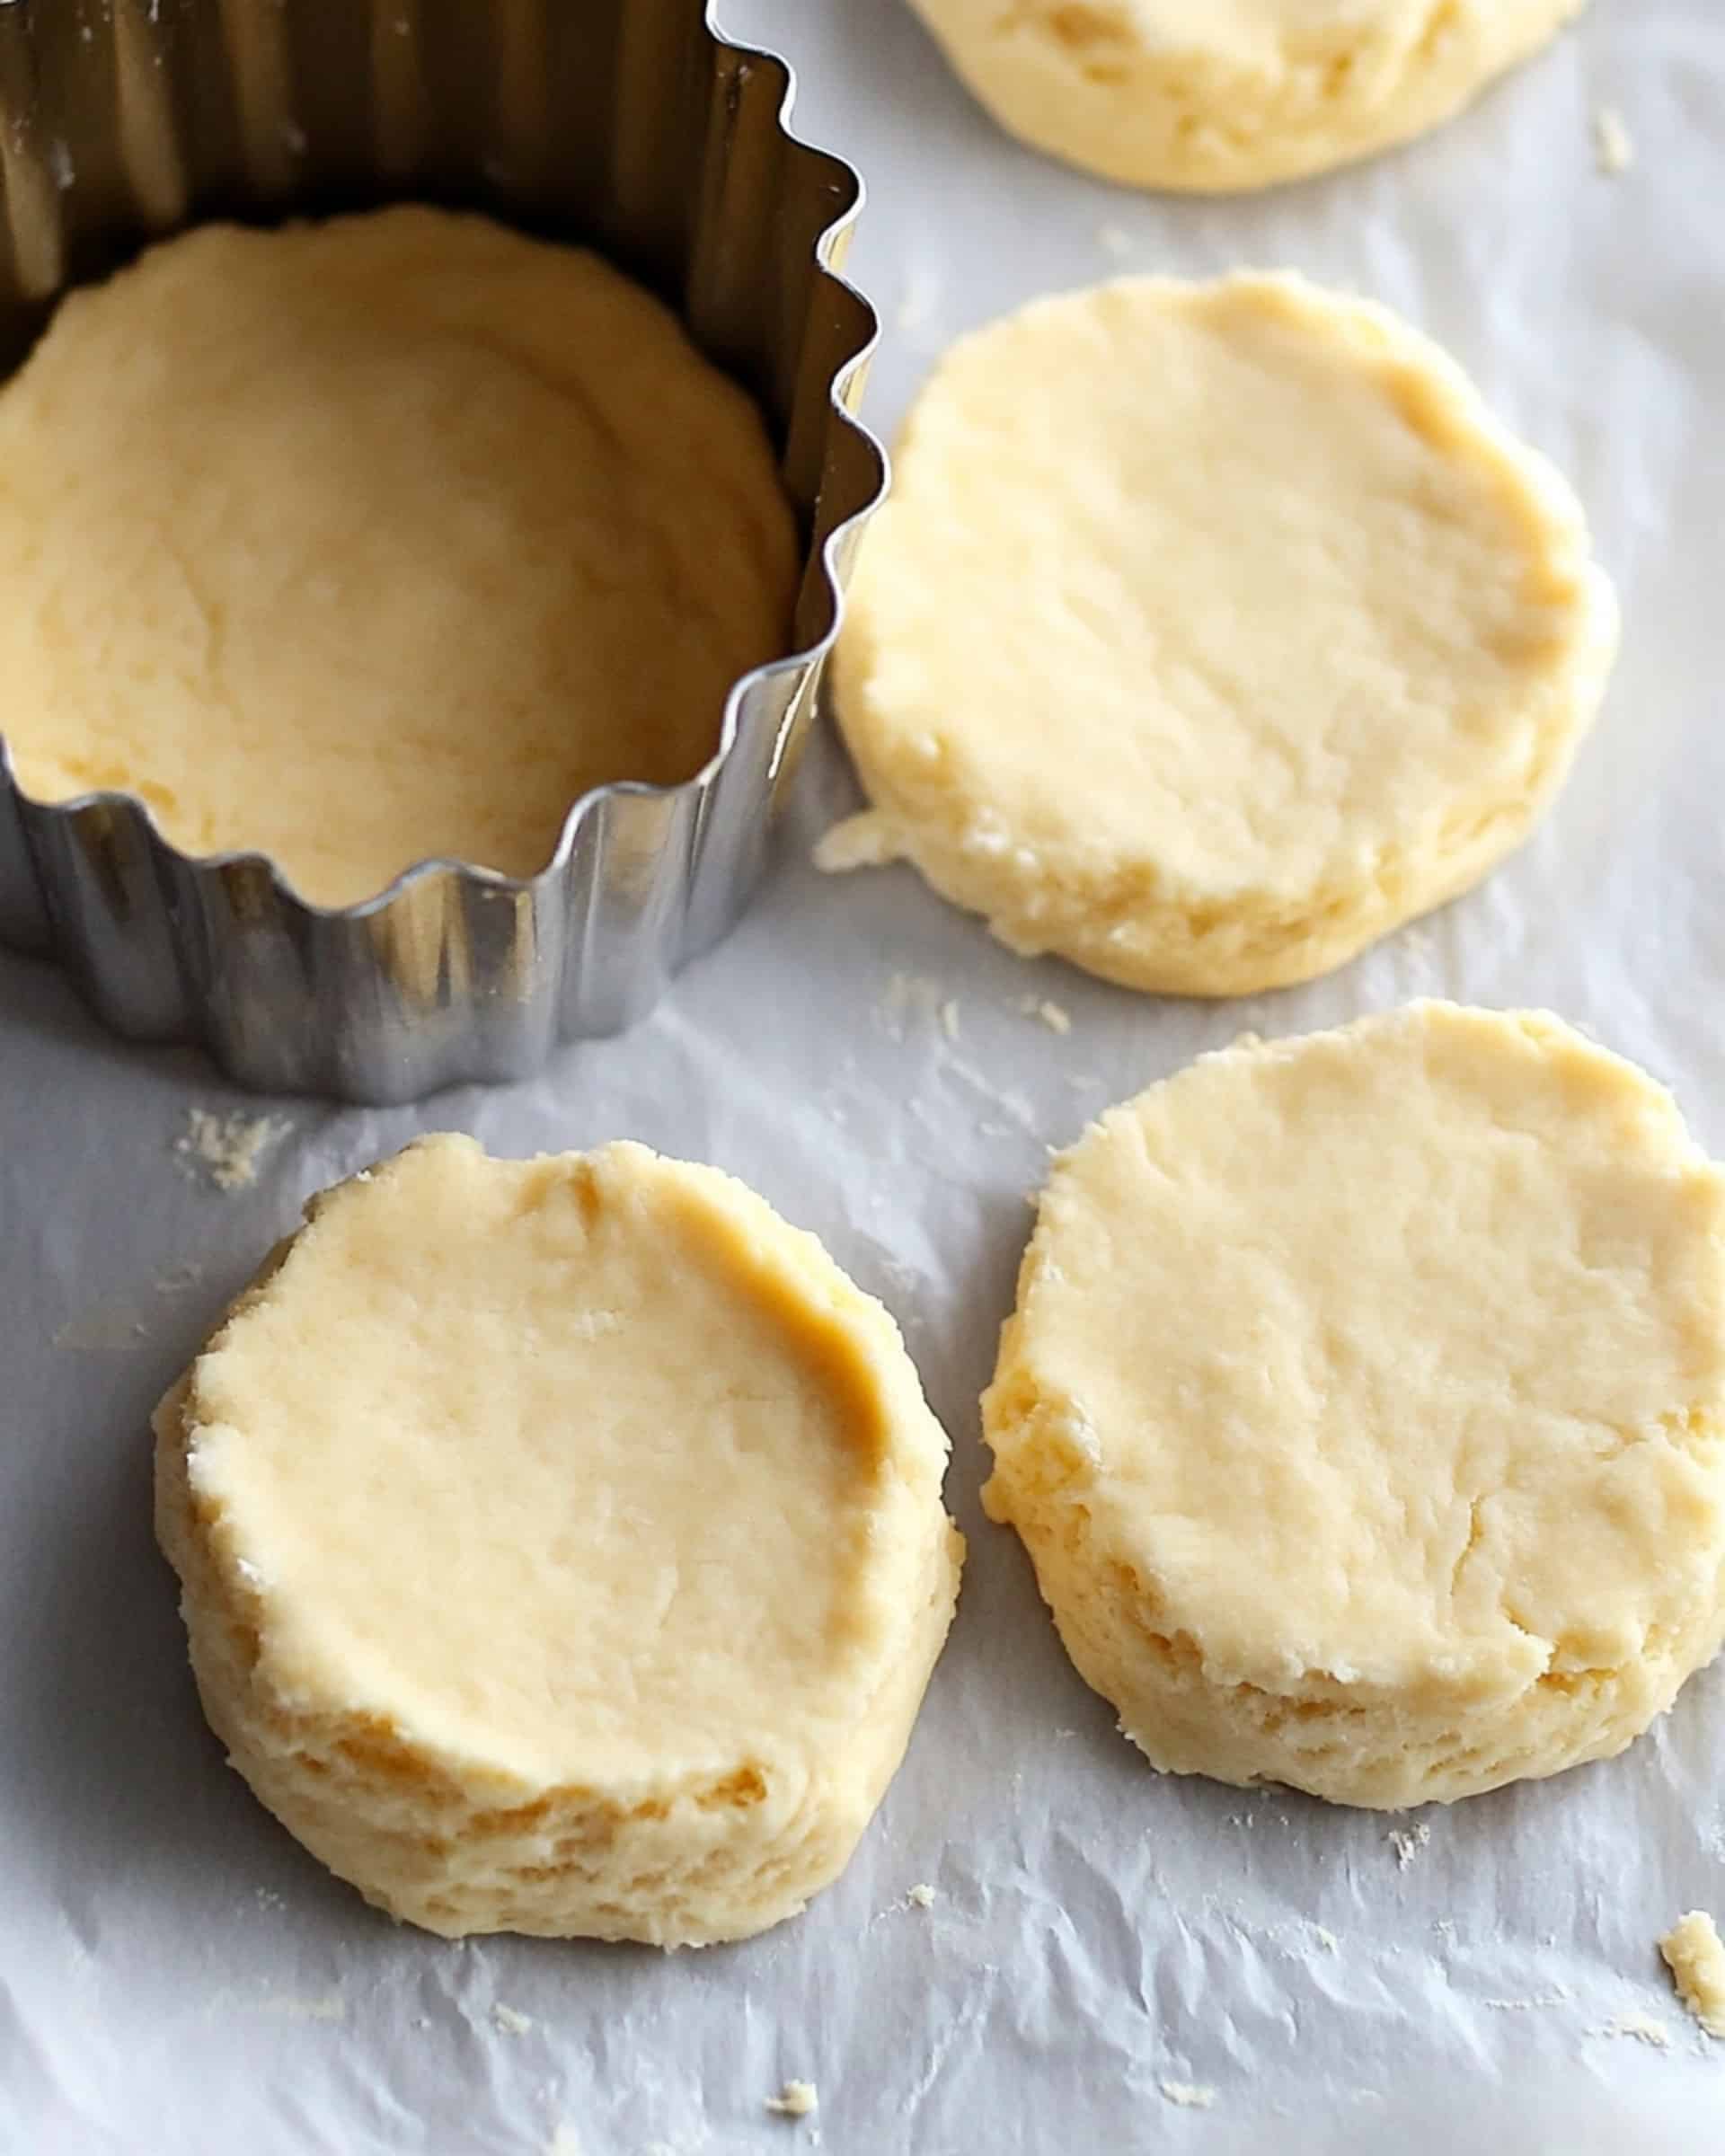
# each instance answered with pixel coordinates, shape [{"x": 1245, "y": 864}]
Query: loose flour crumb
[
  {"x": 950, "y": 1019},
  {"x": 1643, "y": 2027},
  {"x": 1407, "y": 1843},
  {"x": 1007, "y": 1100},
  {"x": 1325, "y": 1939},
  {"x": 1695, "y": 1956},
  {"x": 866, "y": 841},
  {"x": 1614, "y": 146},
  {"x": 1194, "y": 2095},
  {"x": 225, "y": 1151},
  {"x": 796, "y": 2100},
  {"x": 921, "y": 1895},
  {"x": 512, "y": 2022},
  {"x": 1049, "y": 1014}
]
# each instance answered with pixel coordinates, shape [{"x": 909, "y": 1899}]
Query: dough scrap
[
  {"x": 561, "y": 1545},
  {"x": 1695, "y": 1956},
  {"x": 1363, "y": 1409},
  {"x": 362, "y": 542},
  {"x": 796, "y": 2100},
  {"x": 1217, "y": 96},
  {"x": 1211, "y": 631},
  {"x": 1193, "y": 2096}
]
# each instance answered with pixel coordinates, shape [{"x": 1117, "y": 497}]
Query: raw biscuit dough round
[
  {"x": 1364, "y": 1407},
  {"x": 370, "y": 542},
  {"x": 561, "y": 1545},
  {"x": 1215, "y": 96},
  {"x": 1211, "y": 631}
]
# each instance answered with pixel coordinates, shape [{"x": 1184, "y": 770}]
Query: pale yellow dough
[
  {"x": 360, "y": 543},
  {"x": 561, "y": 1545},
  {"x": 1364, "y": 1407},
  {"x": 1695, "y": 1954},
  {"x": 1213, "y": 630},
  {"x": 1214, "y": 96}
]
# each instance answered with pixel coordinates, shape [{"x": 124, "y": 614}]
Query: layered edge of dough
[
  {"x": 1342, "y": 1738},
  {"x": 1128, "y": 921},
  {"x": 1092, "y": 86},
  {"x": 455, "y": 1843}
]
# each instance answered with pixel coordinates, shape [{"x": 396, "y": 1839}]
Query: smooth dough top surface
[
  {"x": 1227, "y": 95},
  {"x": 1208, "y": 604},
  {"x": 584, "y": 1470},
  {"x": 1395, "y": 1355},
  {"x": 374, "y": 541}
]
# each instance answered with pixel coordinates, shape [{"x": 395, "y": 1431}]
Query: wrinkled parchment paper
[{"x": 1110, "y": 1960}]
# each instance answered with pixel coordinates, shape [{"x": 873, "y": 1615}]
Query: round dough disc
[
  {"x": 561, "y": 1545},
  {"x": 1211, "y": 631},
  {"x": 1364, "y": 1407},
  {"x": 376, "y": 541},
  {"x": 1214, "y": 96}
]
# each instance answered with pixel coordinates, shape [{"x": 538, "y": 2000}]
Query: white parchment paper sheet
[{"x": 177, "y": 1978}]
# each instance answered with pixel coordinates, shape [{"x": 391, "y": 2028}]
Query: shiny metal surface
[{"x": 631, "y": 125}]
